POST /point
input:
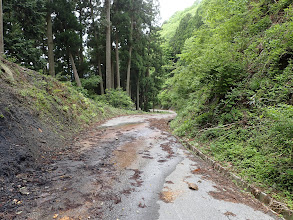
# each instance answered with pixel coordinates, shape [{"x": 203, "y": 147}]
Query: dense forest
[
  {"x": 230, "y": 67},
  {"x": 98, "y": 45},
  {"x": 225, "y": 67}
]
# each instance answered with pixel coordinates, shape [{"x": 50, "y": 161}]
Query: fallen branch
[{"x": 222, "y": 126}]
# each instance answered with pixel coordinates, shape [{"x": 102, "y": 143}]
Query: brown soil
[
  {"x": 169, "y": 196},
  {"x": 161, "y": 124}
]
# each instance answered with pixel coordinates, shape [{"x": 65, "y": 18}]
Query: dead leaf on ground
[{"x": 196, "y": 171}]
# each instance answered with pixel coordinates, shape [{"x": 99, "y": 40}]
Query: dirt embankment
[{"x": 38, "y": 115}]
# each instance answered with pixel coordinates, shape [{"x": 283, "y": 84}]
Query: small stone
[
  {"x": 192, "y": 186},
  {"x": 24, "y": 191}
]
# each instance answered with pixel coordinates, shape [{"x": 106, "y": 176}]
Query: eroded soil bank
[{"x": 129, "y": 168}]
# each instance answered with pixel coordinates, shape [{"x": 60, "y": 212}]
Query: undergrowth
[
  {"x": 57, "y": 103},
  {"x": 259, "y": 149}
]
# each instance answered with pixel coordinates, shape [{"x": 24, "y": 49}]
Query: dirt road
[{"x": 132, "y": 168}]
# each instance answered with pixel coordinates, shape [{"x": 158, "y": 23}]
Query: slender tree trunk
[
  {"x": 77, "y": 80},
  {"x": 1, "y": 30},
  {"x": 137, "y": 94},
  {"x": 129, "y": 59},
  {"x": 146, "y": 92},
  {"x": 117, "y": 63},
  {"x": 50, "y": 45},
  {"x": 98, "y": 56},
  {"x": 108, "y": 46},
  {"x": 101, "y": 76},
  {"x": 113, "y": 75},
  {"x": 81, "y": 57}
]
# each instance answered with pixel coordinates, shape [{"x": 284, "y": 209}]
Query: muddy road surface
[{"x": 130, "y": 168}]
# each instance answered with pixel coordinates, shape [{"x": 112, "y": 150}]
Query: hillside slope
[
  {"x": 38, "y": 114},
  {"x": 232, "y": 88},
  {"x": 169, "y": 27}
]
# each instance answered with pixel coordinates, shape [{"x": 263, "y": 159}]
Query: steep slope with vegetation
[
  {"x": 169, "y": 27},
  {"x": 38, "y": 114},
  {"x": 232, "y": 87}
]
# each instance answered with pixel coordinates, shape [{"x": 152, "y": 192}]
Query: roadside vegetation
[
  {"x": 225, "y": 66},
  {"x": 231, "y": 70},
  {"x": 39, "y": 115}
]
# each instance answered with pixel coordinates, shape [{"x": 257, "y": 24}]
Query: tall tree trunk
[
  {"x": 81, "y": 57},
  {"x": 98, "y": 56},
  {"x": 113, "y": 75},
  {"x": 108, "y": 46},
  {"x": 129, "y": 59},
  {"x": 50, "y": 45},
  {"x": 77, "y": 80},
  {"x": 117, "y": 63},
  {"x": 101, "y": 76},
  {"x": 137, "y": 94},
  {"x": 1, "y": 30},
  {"x": 146, "y": 104}
]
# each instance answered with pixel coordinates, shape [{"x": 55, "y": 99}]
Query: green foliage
[
  {"x": 91, "y": 84},
  {"x": 24, "y": 34},
  {"x": 117, "y": 98},
  {"x": 232, "y": 88}
]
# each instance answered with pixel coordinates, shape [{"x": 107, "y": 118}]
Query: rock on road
[{"x": 131, "y": 168}]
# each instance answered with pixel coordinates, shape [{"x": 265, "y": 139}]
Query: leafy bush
[
  {"x": 116, "y": 98},
  {"x": 91, "y": 83}
]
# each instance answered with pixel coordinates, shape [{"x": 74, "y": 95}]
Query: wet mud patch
[
  {"x": 166, "y": 147},
  {"x": 127, "y": 154},
  {"x": 136, "y": 177}
]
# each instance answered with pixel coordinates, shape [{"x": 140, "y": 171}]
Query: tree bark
[
  {"x": 101, "y": 76},
  {"x": 129, "y": 59},
  {"x": 113, "y": 76},
  {"x": 81, "y": 57},
  {"x": 77, "y": 80},
  {"x": 117, "y": 63},
  {"x": 146, "y": 92},
  {"x": 50, "y": 45},
  {"x": 1, "y": 30},
  {"x": 108, "y": 46},
  {"x": 137, "y": 94}
]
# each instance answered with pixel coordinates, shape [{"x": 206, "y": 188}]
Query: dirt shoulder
[{"x": 39, "y": 117}]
